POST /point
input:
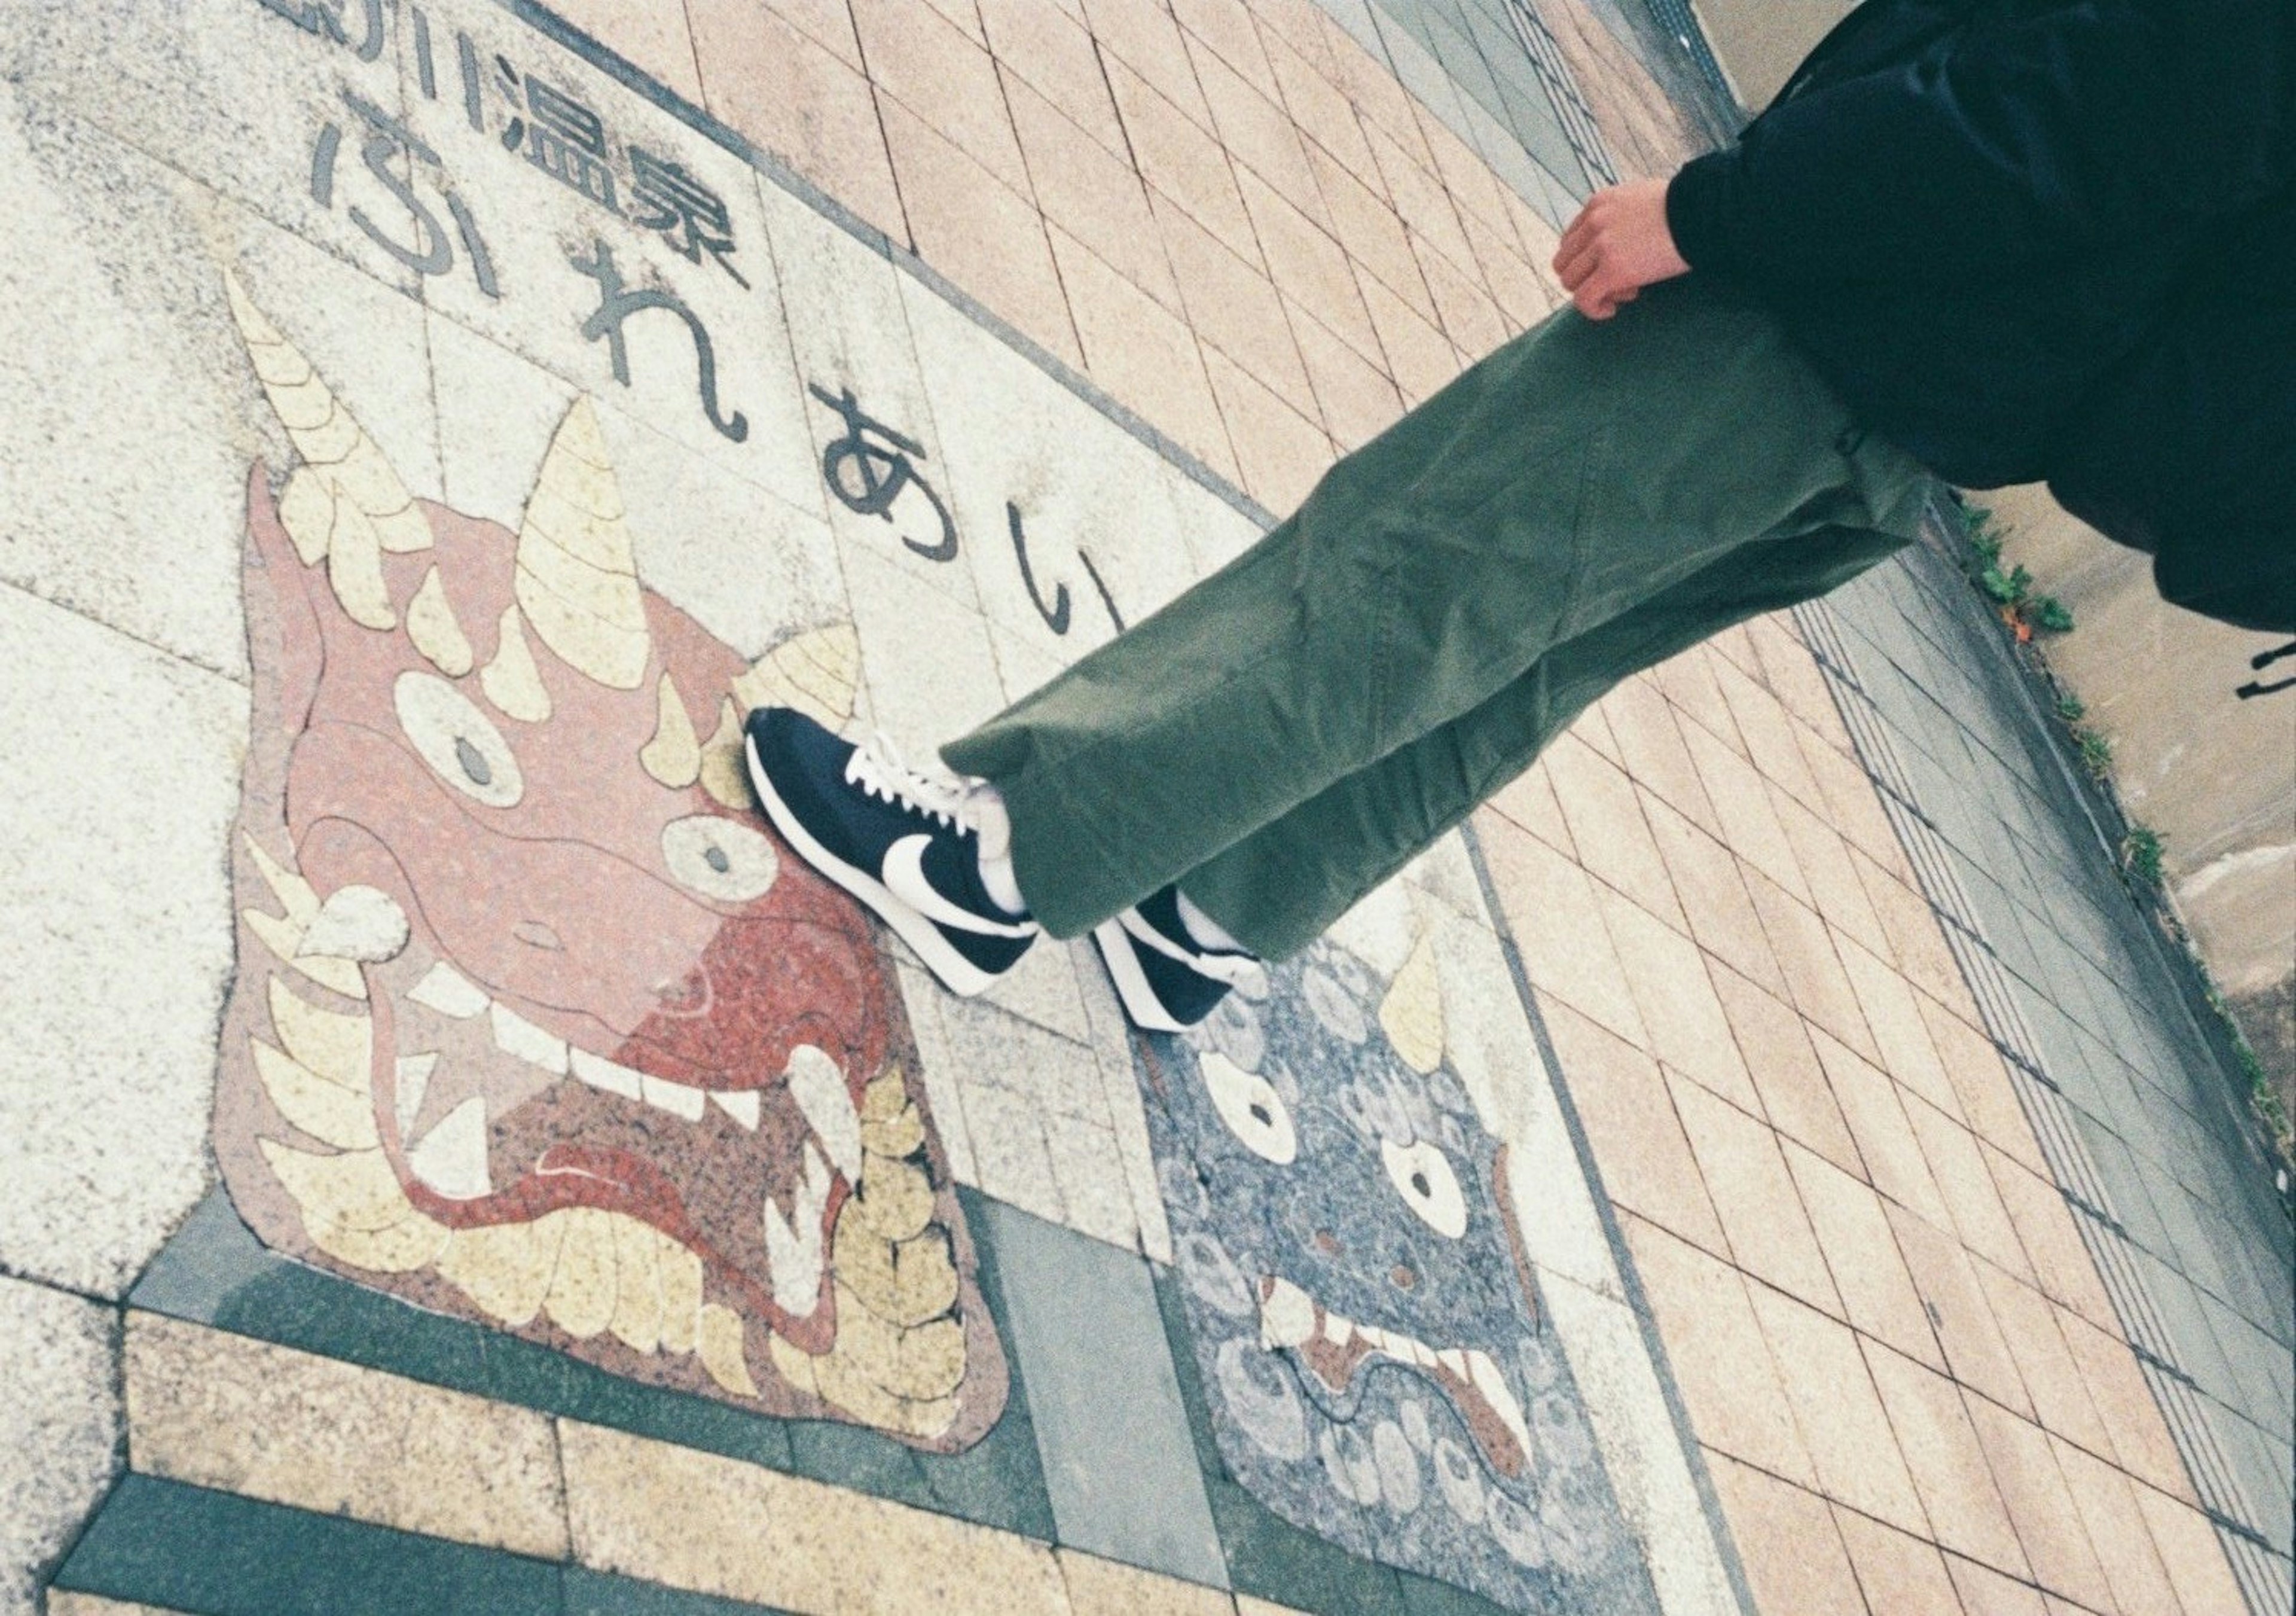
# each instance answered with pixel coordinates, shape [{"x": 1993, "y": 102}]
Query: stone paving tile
[
  {"x": 2048, "y": 1521},
  {"x": 656, "y": 40},
  {"x": 1973, "y": 1203},
  {"x": 1861, "y": 1253},
  {"x": 1180, "y": 161},
  {"x": 1827, "y": 863},
  {"x": 1960, "y": 1312},
  {"x": 1790, "y": 1084},
  {"x": 1095, "y": 197},
  {"x": 1142, "y": 35},
  {"x": 2052, "y": 1245},
  {"x": 1666, "y": 976},
  {"x": 920, "y": 59},
  {"x": 1853, "y": 1451},
  {"x": 1470, "y": 318},
  {"x": 1754, "y": 1197},
  {"x": 1308, "y": 266},
  {"x": 2051, "y": 1375},
  {"x": 1280, "y": 450},
  {"x": 1419, "y": 355},
  {"x": 1044, "y": 47},
  {"x": 1625, "y": 1104},
  {"x": 222, "y": 1411},
  {"x": 1108, "y": 1587},
  {"x": 1147, "y": 358},
  {"x": 1986, "y": 1592},
  {"x": 1731, "y": 1385},
  {"x": 1608, "y": 832},
  {"x": 1530, "y": 802},
  {"x": 1365, "y": 223},
  {"x": 1707, "y": 879},
  {"x": 1556, "y": 922},
  {"x": 2141, "y": 1441},
  {"x": 59, "y": 1429},
  {"x": 1317, "y": 105},
  {"x": 2187, "y": 1544},
  {"x": 1787, "y": 1539},
  {"x": 2116, "y": 1528},
  {"x": 1946, "y": 1463},
  {"x": 1902, "y": 1574},
  {"x": 1233, "y": 306},
  {"x": 1259, "y": 136},
  {"x": 1892, "y": 1157},
  {"x": 1357, "y": 400}
]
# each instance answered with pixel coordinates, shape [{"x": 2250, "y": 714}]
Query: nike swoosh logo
[{"x": 904, "y": 879}]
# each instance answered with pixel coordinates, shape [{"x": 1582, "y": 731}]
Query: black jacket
[{"x": 2048, "y": 238}]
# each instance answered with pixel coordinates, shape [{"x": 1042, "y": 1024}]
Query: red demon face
[{"x": 537, "y": 1021}]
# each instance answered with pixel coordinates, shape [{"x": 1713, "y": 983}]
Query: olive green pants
[{"x": 1592, "y": 499}]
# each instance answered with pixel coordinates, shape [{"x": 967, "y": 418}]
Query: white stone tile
[
  {"x": 1641, "y": 1448},
  {"x": 1381, "y": 929},
  {"x": 925, "y": 660},
  {"x": 134, "y": 416},
  {"x": 1009, "y": 1152},
  {"x": 1089, "y": 1169},
  {"x": 1052, "y": 1073},
  {"x": 921, "y": 997},
  {"x": 1447, "y": 872},
  {"x": 745, "y": 564},
  {"x": 535, "y": 226},
  {"x": 59, "y": 1427},
  {"x": 122, "y": 786},
  {"x": 1042, "y": 988},
  {"x": 1215, "y": 531},
  {"x": 1113, "y": 1050}
]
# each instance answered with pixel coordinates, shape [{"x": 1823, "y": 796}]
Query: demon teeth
[
  {"x": 1487, "y": 1379},
  {"x": 357, "y": 922},
  {"x": 447, "y": 991},
  {"x": 741, "y": 1104},
  {"x": 515, "y": 1035},
  {"x": 451, "y": 1157},
  {"x": 793, "y": 1244},
  {"x": 818, "y": 1087},
  {"x": 674, "y": 1098},
  {"x": 1287, "y": 1316},
  {"x": 1338, "y": 1329},
  {"x": 609, "y": 1075}
]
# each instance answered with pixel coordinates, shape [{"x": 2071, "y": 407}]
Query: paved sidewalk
[{"x": 453, "y": 1161}]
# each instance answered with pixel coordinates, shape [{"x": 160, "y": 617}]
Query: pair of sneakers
[{"x": 907, "y": 844}]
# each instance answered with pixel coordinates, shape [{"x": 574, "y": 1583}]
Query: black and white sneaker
[
  {"x": 1168, "y": 980},
  {"x": 901, "y": 841}
]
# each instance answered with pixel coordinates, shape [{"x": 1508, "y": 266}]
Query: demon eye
[
  {"x": 1254, "y": 1113},
  {"x": 720, "y": 857},
  {"x": 459, "y": 742},
  {"x": 1422, "y": 1175}
]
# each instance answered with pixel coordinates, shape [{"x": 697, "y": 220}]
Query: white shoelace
[{"x": 879, "y": 770}]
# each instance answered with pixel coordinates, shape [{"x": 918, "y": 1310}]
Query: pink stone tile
[
  {"x": 1476, "y": 192},
  {"x": 1258, "y": 133},
  {"x": 980, "y": 233},
  {"x": 1093, "y": 195},
  {"x": 1826, "y": 862},
  {"x": 1792, "y": 1087},
  {"x": 1817, "y": 982},
  {"x": 2048, "y": 1521},
  {"x": 1986, "y": 1592},
  {"x": 1861, "y": 1251},
  {"x": 1418, "y": 195},
  {"x": 2115, "y": 1386},
  {"x": 2194, "y": 1558},
  {"x": 1524, "y": 296},
  {"x": 1902, "y": 1574},
  {"x": 1367, "y": 228},
  {"x": 1768, "y": 728},
  {"x": 1651, "y": 750},
  {"x": 1787, "y": 1539},
  {"x": 1556, "y": 922},
  {"x": 2060, "y": 1263},
  {"x": 1321, "y": 111},
  {"x": 1054, "y": 55},
  {"x": 1420, "y": 358},
  {"x": 1142, "y": 35},
  {"x": 1965, "y": 1181},
  {"x": 1894, "y": 1017},
  {"x": 929, "y": 66},
  {"x": 1280, "y": 451},
  {"x": 1640, "y": 1149},
  {"x": 1357, "y": 399},
  {"x": 828, "y": 23},
  {"x": 1754, "y": 1196},
  {"x": 1607, "y": 827},
  {"x": 1749, "y": 819},
  {"x": 1688, "y": 680},
  {"x": 1981, "y": 1082},
  {"x": 654, "y": 38},
  {"x": 798, "y": 101},
  {"x": 2124, "y": 1544},
  {"x": 1720, "y": 1359},
  {"x": 1851, "y": 1447},
  {"x": 1916, "y": 936},
  {"x": 1146, "y": 357},
  {"x": 1469, "y": 317},
  {"x": 1712, "y": 892},
  {"x": 1666, "y": 975},
  {"x": 1308, "y": 266},
  {"x": 1886, "y": 1144},
  {"x": 1529, "y": 800},
  {"x": 1960, "y": 1311},
  {"x": 1235, "y": 310},
  {"x": 1946, "y": 1463},
  {"x": 1181, "y": 162},
  {"x": 1373, "y": 89},
  {"x": 1226, "y": 26}
]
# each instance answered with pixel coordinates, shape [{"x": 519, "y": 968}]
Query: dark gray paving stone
[{"x": 1119, "y": 1459}]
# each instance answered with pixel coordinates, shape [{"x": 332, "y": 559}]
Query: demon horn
[
  {"x": 577, "y": 577},
  {"x": 346, "y": 503}
]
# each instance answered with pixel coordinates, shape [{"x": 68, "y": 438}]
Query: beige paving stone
[
  {"x": 1307, "y": 265},
  {"x": 1826, "y": 862},
  {"x": 1903, "y": 1575},
  {"x": 1795, "y": 1097},
  {"x": 828, "y": 23},
  {"x": 1958, "y": 1163},
  {"x": 1467, "y": 313},
  {"x": 1090, "y": 1171},
  {"x": 1233, "y": 306},
  {"x": 1959, "y": 1311},
  {"x": 1181, "y": 161},
  {"x": 1046, "y": 48},
  {"x": 1754, "y": 1196},
  {"x": 2116, "y": 1528},
  {"x": 2044, "y": 1228},
  {"x": 1529, "y": 800},
  {"x": 1666, "y": 975},
  {"x": 1365, "y": 223},
  {"x": 1093, "y": 195},
  {"x": 1788, "y": 1542},
  {"x": 1639, "y": 1146},
  {"x": 1852, "y": 1449},
  {"x": 2191, "y": 1554},
  {"x": 797, "y": 100},
  {"x": 221, "y": 1411},
  {"x": 1142, "y": 35},
  {"x": 1357, "y": 399},
  {"x": 1720, "y": 1357},
  {"x": 1712, "y": 888},
  {"x": 1688, "y": 681},
  {"x": 1981, "y": 1083},
  {"x": 978, "y": 232},
  {"x": 2051, "y": 1375},
  {"x": 1861, "y": 1253},
  {"x": 1104, "y": 1587},
  {"x": 1815, "y": 978},
  {"x": 1870, "y": 1105},
  {"x": 1317, "y": 105},
  {"x": 1852, "y": 805},
  {"x": 1246, "y": 1605},
  {"x": 1794, "y": 677},
  {"x": 1749, "y": 819},
  {"x": 2141, "y": 1441},
  {"x": 654, "y": 38},
  {"x": 1227, "y": 27},
  {"x": 1525, "y": 291},
  {"x": 1420, "y": 199},
  {"x": 1986, "y": 1592},
  {"x": 1258, "y": 133},
  {"x": 1145, "y": 357},
  {"x": 1763, "y": 722},
  {"x": 1011, "y": 1157},
  {"x": 1374, "y": 91},
  {"x": 1281, "y": 451},
  {"x": 1419, "y": 357},
  {"x": 718, "y": 1526},
  {"x": 1947, "y": 1465},
  {"x": 1607, "y": 828},
  {"x": 1893, "y": 1015},
  {"x": 2047, "y": 1520},
  {"x": 1477, "y": 194},
  {"x": 1556, "y": 922},
  {"x": 1651, "y": 748}
]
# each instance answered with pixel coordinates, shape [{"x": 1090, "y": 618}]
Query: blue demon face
[{"x": 1369, "y": 1339}]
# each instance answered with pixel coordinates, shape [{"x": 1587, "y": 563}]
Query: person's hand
[{"x": 1619, "y": 244}]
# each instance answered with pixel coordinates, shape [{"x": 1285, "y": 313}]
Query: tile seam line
[
  {"x": 559, "y": 31},
  {"x": 1615, "y": 1236},
  {"x": 182, "y": 658}
]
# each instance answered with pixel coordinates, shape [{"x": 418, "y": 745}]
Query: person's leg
[
  {"x": 1281, "y": 887},
  {"x": 1578, "y": 471}
]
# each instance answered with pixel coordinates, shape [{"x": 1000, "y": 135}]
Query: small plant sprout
[
  {"x": 2140, "y": 850},
  {"x": 2096, "y": 751},
  {"x": 2071, "y": 708}
]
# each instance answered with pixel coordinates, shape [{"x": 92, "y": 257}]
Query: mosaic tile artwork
[
  {"x": 1367, "y": 1328},
  {"x": 536, "y": 1022}
]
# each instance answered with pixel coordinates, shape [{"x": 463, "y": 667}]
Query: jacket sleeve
[{"x": 2042, "y": 127}]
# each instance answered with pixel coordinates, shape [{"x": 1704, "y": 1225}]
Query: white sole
[
  {"x": 1132, "y": 989},
  {"x": 951, "y": 969}
]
